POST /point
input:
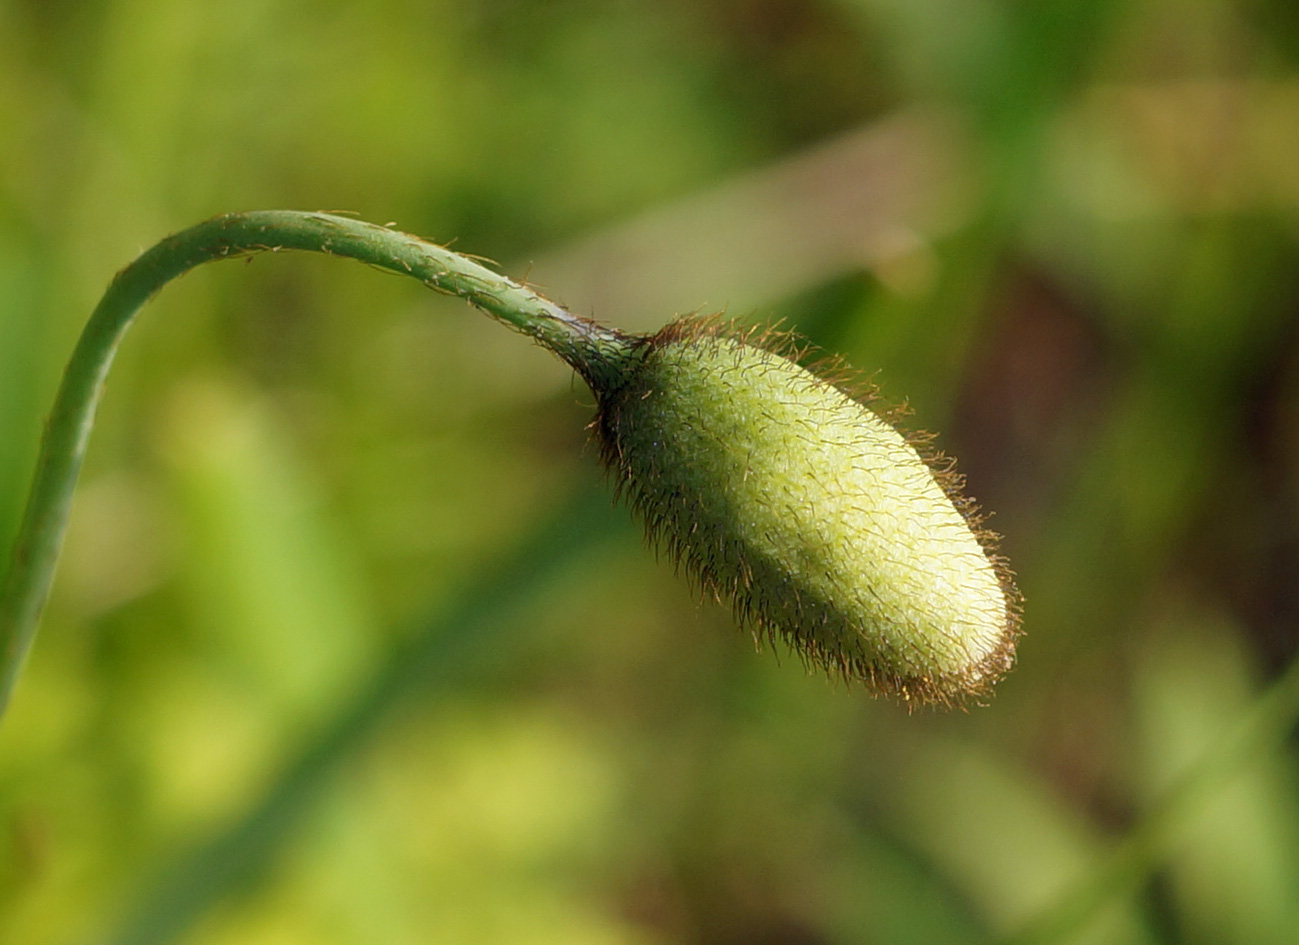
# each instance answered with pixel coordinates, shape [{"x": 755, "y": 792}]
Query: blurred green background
[{"x": 349, "y": 645}]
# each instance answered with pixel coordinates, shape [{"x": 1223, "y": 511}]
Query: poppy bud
[{"x": 814, "y": 517}]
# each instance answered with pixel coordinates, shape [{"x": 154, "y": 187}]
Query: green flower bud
[{"x": 819, "y": 521}]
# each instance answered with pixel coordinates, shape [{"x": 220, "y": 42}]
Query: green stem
[{"x": 594, "y": 351}]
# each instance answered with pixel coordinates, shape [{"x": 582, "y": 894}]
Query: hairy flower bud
[{"x": 818, "y": 520}]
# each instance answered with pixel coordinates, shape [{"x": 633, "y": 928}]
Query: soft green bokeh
[{"x": 346, "y": 646}]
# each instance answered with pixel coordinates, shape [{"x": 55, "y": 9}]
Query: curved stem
[{"x": 594, "y": 351}]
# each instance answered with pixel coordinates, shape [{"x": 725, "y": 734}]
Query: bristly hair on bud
[{"x": 776, "y": 488}]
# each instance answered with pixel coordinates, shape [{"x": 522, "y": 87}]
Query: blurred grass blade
[
  {"x": 1233, "y": 872},
  {"x": 878, "y": 192},
  {"x": 1268, "y": 722},
  {"x": 1020, "y": 851},
  {"x": 465, "y": 639}
]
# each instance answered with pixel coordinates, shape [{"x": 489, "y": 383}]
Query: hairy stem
[{"x": 594, "y": 351}]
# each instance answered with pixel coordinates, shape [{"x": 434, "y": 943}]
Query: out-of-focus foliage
[{"x": 347, "y": 647}]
